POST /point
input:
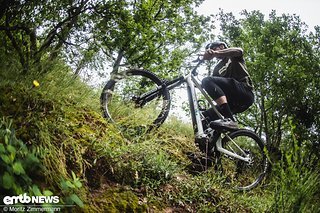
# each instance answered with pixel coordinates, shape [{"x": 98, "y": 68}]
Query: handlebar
[{"x": 199, "y": 61}]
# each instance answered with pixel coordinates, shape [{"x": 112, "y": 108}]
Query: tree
[
  {"x": 284, "y": 63},
  {"x": 32, "y": 29},
  {"x": 141, "y": 33},
  {"x": 152, "y": 34}
]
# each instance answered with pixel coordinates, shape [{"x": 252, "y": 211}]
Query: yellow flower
[{"x": 36, "y": 83}]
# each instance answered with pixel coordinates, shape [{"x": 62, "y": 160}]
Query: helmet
[{"x": 216, "y": 44}]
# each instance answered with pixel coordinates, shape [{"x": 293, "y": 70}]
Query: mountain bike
[{"x": 139, "y": 98}]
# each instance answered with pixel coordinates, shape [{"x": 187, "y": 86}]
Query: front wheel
[
  {"x": 135, "y": 98},
  {"x": 248, "y": 172}
]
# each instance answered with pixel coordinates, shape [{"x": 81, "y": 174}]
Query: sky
[{"x": 307, "y": 10}]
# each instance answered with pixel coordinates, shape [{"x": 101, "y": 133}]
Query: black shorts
[{"x": 239, "y": 95}]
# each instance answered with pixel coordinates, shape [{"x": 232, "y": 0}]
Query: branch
[
  {"x": 13, "y": 28},
  {"x": 159, "y": 11},
  {"x": 16, "y": 46},
  {"x": 68, "y": 22}
]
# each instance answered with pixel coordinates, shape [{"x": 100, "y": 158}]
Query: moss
[
  {"x": 28, "y": 107},
  {"x": 115, "y": 200}
]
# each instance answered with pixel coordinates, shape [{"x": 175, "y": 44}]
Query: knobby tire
[{"x": 118, "y": 100}]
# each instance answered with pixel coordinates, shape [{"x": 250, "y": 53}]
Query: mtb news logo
[{"x": 25, "y": 199}]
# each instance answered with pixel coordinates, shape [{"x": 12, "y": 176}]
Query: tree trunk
[{"x": 116, "y": 65}]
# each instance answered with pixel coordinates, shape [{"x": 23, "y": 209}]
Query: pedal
[{"x": 209, "y": 132}]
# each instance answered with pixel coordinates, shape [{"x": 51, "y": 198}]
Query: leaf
[
  {"x": 47, "y": 193},
  {"x": 6, "y": 159},
  {"x": 6, "y": 139},
  {"x": 11, "y": 149},
  {"x": 17, "y": 168},
  {"x": 36, "y": 190},
  {"x": 64, "y": 186},
  {"x": 69, "y": 184},
  {"x": 77, "y": 200},
  {"x": 31, "y": 157},
  {"x": 2, "y": 149},
  {"x": 8, "y": 180},
  {"x": 74, "y": 176},
  {"x": 78, "y": 184}
]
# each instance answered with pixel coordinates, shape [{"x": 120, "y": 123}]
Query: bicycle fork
[{"x": 195, "y": 112}]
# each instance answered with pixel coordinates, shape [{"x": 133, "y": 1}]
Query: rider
[{"x": 230, "y": 84}]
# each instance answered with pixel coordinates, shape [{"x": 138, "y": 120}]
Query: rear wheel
[
  {"x": 128, "y": 102},
  {"x": 243, "y": 174}
]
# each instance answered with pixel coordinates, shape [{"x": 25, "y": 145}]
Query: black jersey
[{"x": 235, "y": 68}]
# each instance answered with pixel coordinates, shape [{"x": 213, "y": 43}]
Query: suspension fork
[{"x": 195, "y": 112}]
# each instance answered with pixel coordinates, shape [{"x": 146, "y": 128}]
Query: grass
[{"x": 62, "y": 121}]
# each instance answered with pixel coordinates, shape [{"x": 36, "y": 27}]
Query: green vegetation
[
  {"x": 87, "y": 162},
  {"x": 55, "y": 142},
  {"x": 17, "y": 161}
]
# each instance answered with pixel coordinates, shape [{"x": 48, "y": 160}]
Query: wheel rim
[
  {"x": 122, "y": 106},
  {"x": 241, "y": 174}
]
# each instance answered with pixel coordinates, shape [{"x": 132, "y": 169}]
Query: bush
[
  {"x": 297, "y": 186},
  {"x": 18, "y": 163}
]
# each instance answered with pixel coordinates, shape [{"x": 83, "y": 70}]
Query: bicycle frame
[{"x": 192, "y": 83}]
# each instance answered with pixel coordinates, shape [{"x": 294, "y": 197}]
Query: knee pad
[{"x": 206, "y": 82}]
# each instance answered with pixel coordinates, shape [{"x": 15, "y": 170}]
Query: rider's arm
[{"x": 229, "y": 52}]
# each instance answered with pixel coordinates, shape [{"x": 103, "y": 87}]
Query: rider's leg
[
  {"x": 224, "y": 107},
  {"x": 214, "y": 90},
  {"x": 240, "y": 97}
]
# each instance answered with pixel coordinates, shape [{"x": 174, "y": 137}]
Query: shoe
[{"x": 224, "y": 123}]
